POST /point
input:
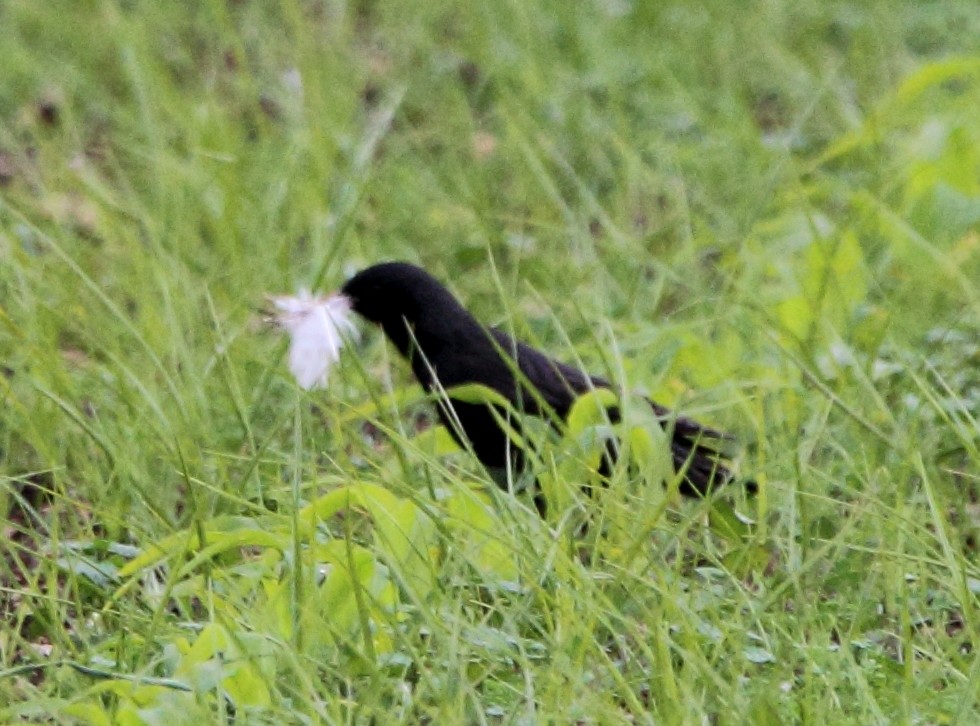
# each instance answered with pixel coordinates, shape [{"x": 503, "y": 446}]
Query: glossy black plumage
[{"x": 447, "y": 347}]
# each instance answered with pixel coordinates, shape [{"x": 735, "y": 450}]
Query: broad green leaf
[
  {"x": 649, "y": 448},
  {"x": 437, "y": 441},
  {"x": 934, "y": 74},
  {"x": 218, "y": 658},
  {"x": 725, "y": 522},
  {"x": 470, "y": 515},
  {"x": 187, "y": 541},
  {"x": 590, "y": 409},
  {"x": 796, "y": 315},
  {"x": 87, "y": 713},
  {"x": 398, "y": 400},
  {"x": 478, "y": 393},
  {"x": 832, "y": 282},
  {"x": 221, "y": 542},
  {"x": 404, "y": 532}
]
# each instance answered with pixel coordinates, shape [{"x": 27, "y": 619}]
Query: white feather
[{"x": 317, "y": 327}]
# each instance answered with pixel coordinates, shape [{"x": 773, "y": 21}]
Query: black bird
[{"x": 448, "y": 347}]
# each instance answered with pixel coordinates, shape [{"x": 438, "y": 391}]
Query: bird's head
[
  {"x": 398, "y": 296},
  {"x": 410, "y": 306}
]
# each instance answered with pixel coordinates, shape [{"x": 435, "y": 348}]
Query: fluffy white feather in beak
[{"x": 317, "y": 327}]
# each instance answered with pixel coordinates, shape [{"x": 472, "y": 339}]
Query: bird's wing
[
  {"x": 696, "y": 448},
  {"x": 557, "y": 384}
]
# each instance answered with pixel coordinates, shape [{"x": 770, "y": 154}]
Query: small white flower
[{"x": 318, "y": 327}]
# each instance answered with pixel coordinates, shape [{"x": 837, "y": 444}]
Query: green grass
[{"x": 764, "y": 213}]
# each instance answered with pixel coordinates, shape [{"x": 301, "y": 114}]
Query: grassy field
[{"x": 764, "y": 213}]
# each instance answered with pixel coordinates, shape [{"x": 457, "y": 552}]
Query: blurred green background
[{"x": 766, "y": 213}]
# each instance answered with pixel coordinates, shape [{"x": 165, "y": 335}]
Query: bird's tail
[{"x": 699, "y": 454}]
